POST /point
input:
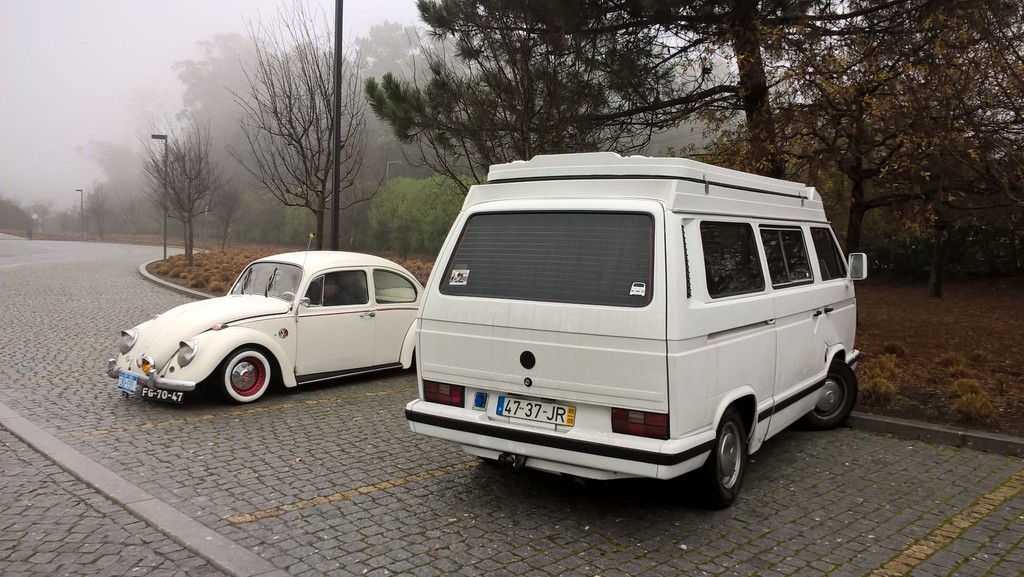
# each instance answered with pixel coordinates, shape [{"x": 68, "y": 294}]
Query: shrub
[
  {"x": 960, "y": 371},
  {"x": 950, "y": 360},
  {"x": 975, "y": 407},
  {"x": 219, "y": 288},
  {"x": 894, "y": 349},
  {"x": 964, "y": 387},
  {"x": 877, "y": 391},
  {"x": 197, "y": 283},
  {"x": 877, "y": 387},
  {"x": 978, "y": 357},
  {"x": 956, "y": 365},
  {"x": 884, "y": 367}
]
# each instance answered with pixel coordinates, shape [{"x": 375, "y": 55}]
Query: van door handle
[
  {"x": 368, "y": 314},
  {"x": 825, "y": 312},
  {"x": 769, "y": 322}
]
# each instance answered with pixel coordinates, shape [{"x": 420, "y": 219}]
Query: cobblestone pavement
[{"x": 328, "y": 479}]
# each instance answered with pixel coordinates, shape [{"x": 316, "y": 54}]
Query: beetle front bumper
[{"x": 151, "y": 379}]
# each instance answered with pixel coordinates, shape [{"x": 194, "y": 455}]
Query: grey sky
[{"x": 76, "y": 71}]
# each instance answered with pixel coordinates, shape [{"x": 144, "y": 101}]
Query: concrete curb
[
  {"x": 169, "y": 285},
  {"x": 220, "y": 551},
  {"x": 938, "y": 434}
]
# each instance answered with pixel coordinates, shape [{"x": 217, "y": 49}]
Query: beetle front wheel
[{"x": 245, "y": 376}]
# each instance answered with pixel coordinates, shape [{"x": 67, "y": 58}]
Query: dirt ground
[{"x": 981, "y": 319}]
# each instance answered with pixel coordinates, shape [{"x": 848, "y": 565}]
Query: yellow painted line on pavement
[
  {"x": 344, "y": 495},
  {"x": 919, "y": 551},
  {"x": 232, "y": 413}
]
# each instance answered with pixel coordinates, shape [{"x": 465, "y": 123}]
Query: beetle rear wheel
[{"x": 245, "y": 375}]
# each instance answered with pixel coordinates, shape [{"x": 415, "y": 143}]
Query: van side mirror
[{"x": 858, "y": 266}]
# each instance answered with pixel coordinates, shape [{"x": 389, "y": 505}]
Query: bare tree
[
  {"x": 190, "y": 177},
  {"x": 288, "y": 115},
  {"x": 97, "y": 207},
  {"x": 224, "y": 206},
  {"x": 41, "y": 210}
]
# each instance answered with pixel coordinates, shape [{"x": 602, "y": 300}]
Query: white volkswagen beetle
[{"x": 292, "y": 318}]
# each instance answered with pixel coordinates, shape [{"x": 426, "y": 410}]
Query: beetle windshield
[{"x": 272, "y": 279}]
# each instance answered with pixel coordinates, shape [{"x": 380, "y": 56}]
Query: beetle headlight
[
  {"x": 187, "y": 351},
  {"x": 146, "y": 363},
  {"x": 128, "y": 338}
]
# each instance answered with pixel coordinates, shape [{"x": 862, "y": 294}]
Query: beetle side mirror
[
  {"x": 304, "y": 302},
  {"x": 858, "y": 266}
]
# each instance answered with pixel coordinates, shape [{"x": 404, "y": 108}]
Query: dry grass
[
  {"x": 975, "y": 407},
  {"x": 963, "y": 365},
  {"x": 878, "y": 385},
  {"x": 215, "y": 271}
]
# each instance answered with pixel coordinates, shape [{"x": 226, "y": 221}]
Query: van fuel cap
[{"x": 527, "y": 360}]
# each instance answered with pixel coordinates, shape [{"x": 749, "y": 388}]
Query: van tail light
[
  {"x": 443, "y": 393},
  {"x": 640, "y": 423}
]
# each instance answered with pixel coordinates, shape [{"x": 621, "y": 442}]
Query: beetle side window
[
  {"x": 390, "y": 288},
  {"x": 315, "y": 293},
  {"x": 830, "y": 260},
  {"x": 787, "y": 256},
  {"x": 731, "y": 262},
  {"x": 340, "y": 288}
]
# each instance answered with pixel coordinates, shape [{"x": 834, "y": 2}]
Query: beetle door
[{"x": 336, "y": 332}]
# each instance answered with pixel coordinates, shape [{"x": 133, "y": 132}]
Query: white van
[{"x": 610, "y": 317}]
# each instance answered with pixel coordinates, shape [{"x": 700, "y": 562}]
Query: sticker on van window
[
  {"x": 459, "y": 277},
  {"x": 638, "y": 289}
]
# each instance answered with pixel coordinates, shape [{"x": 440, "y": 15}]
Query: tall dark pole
[
  {"x": 164, "y": 179},
  {"x": 81, "y": 211},
  {"x": 336, "y": 134}
]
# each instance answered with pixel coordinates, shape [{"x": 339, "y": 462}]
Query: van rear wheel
[
  {"x": 723, "y": 472},
  {"x": 838, "y": 396}
]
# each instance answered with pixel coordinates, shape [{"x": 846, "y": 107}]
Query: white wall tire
[{"x": 245, "y": 376}]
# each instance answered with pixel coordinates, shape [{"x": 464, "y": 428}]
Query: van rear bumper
[{"x": 578, "y": 453}]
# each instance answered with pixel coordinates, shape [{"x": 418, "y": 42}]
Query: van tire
[
  {"x": 838, "y": 396},
  {"x": 723, "y": 472}
]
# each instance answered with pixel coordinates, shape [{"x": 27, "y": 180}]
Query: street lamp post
[
  {"x": 164, "y": 182},
  {"x": 81, "y": 212},
  {"x": 387, "y": 170}
]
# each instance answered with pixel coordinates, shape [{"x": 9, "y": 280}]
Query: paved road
[{"x": 328, "y": 480}]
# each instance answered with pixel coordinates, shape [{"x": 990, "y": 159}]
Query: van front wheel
[
  {"x": 837, "y": 397},
  {"x": 723, "y": 471}
]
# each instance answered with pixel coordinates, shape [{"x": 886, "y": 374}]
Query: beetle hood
[{"x": 159, "y": 337}]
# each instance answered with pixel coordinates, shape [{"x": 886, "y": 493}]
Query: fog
[{"x": 76, "y": 72}]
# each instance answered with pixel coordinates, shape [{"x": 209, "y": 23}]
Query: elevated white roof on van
[{"x": 686, "y": 185}]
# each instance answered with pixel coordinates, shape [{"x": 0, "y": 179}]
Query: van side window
[
  {"x": 787, "y": 256},
  {"x": 830, "y": 259},
  {"x": 731, "y": 263},
  {"x": 596, "y": 258}
]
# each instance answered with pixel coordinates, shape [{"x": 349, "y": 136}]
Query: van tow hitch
[{"x": 515, "y": 461}]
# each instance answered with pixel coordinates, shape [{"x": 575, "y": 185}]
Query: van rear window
[{"x": 595, "y": 258}]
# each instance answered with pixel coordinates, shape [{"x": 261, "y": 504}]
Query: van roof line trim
[{"x": 704, "y": 181}]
